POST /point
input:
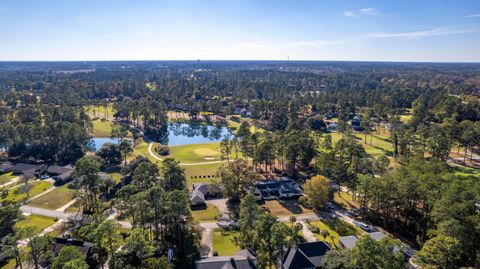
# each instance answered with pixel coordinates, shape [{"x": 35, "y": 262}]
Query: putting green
[{"x": 206, "y": 152}]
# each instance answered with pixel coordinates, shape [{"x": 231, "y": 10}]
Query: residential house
[
  {"x": 243, "y": 259},
  {"x": 6, "y": 167},
  {"x": 197, "y": 198},
  {"x": 275, "y": 189},
  {"x": 305, "y": 256}
]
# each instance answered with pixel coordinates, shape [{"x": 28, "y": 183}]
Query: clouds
[
  {"x": 287, "y": 45},
  {"x": 473, "y": 16},
  {"x": 349, "y": 13},
  {"x": 368, "y": 11},
  {"x": 442, "y": 31}
]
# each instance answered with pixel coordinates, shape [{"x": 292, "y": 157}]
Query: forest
[{"x": 401, "y": 140}]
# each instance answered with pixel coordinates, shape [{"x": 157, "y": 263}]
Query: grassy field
[
  {"x": 37, "y": 187},
  {"x": 465, "y": 171},
  {"x": 100, "y": 111},
  {"x": 208, "y": 214},
  {"x": 195, "y": 153},
  {"x": 37, "y": 221},
  {"x": 380, "y": 143},
  {"x": 54, "y": 199},
  {"x": 345, "y": 200},
  {"x": 285, "y": 207},
  {"x": 335, "y": 229},
  {"x": 194, "y": 173},
  {"x": 4, "y": 178},
  {"x": 223, "y": 243},
  {"x": 101, "y": 128}
]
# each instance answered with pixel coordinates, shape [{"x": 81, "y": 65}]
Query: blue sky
[{"x": 383, "y": 30}]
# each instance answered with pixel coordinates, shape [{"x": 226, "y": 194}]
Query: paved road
[{"x": 46, "y": 212}]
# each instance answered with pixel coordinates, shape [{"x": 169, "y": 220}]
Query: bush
[
  {"x": 314, "y": 229},
  {"x": 162, "y": 150}
]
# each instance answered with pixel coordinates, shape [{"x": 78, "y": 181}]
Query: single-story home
[
  {"x": 84, "y": 247},
  {"x": 197, "y": 198},
  {"x": 348, "y": 242},
  {"x": 209, "y": 190},
  {"x": 305, "y": 255},
  {"x": 243, "y": 259}
]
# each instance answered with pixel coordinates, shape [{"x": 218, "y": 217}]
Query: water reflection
[{"x": 183, "y": 134}]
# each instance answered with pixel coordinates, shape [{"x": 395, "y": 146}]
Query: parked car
[{"x": 365, "y": 227}]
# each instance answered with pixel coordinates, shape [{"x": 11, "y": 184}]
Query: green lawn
[
  {"x": 335, "y": 228},
  {"x": 380, "y": 144},
  {"x": 345, "y": 200},
  {"x": 37, "y": 187},
  {"x": 208, "y": 214},
  {"x": 195, "y": 153},
  {"x": 101, "y": 128},
  {"x": 37, "y": 221},
  {"x": 100, "y": 111},
  {"x": 54, "y": 199},
  {"x": 465, "y": 171},
  {"x": 333, "y": 237},
  {"x": 223, "y": 243},
  {"x": 4, "y": 178},
  {"x": 9, "y": 265},
  {"x": 117, "y": 177}
]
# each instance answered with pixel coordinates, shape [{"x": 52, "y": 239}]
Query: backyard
[{"x": 223, "y": 243}]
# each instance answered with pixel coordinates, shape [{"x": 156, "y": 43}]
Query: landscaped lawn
[
  {"x": 37, "y": 221},
  {"x": 223, "y": 243},
  {"x": 210, "y": 213},
  {"x": 380, "y": 143},
  {"x": 4, "y": 178},
  {"x": 54, "y": 199},
  {"x": 333, "y": 237},
  {"x": 285, "y": 207},
  {"x": 345, "y": 200},
  {"x": 335, "y": 229},
  {"x": 37, "y": 187},
  {"x": 195, "y": 153}
]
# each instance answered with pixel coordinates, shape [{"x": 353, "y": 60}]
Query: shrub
[{"x": 162, "y": 150}]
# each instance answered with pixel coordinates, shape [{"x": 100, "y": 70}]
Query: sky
[{"x": 351, "y": 30}]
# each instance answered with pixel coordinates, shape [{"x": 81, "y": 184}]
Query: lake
[
  {"x": 185, "y": 134},
  {"x": 97, "y": 142}
]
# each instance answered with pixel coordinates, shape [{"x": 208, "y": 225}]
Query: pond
[
  {"x": 185, "y": 134},
  {"x": 97, "y": 142}
]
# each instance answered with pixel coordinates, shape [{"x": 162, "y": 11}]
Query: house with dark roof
[
  {"x": 305, "y": 256},
  {"x": 6, "y": 167},
  {"x": 274, "y": 189},
  {"x": 197, "y": 198},
  {"x": 243, "y": 259},
  {"x": 209, "y": 190}
]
